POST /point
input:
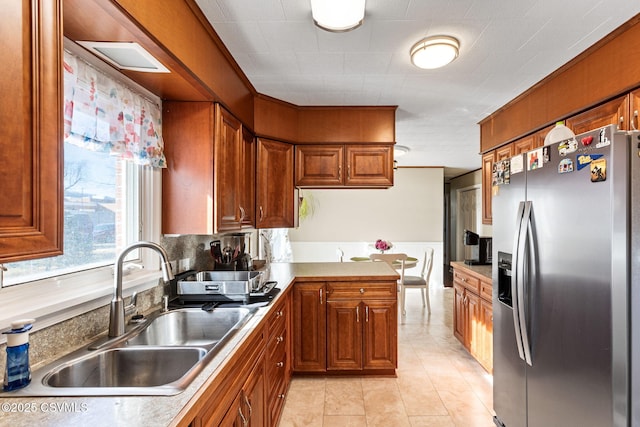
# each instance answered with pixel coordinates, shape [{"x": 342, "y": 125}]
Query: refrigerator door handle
[
  {"x": 515, "y": 280},
  {"x": 526, "y": 261}
]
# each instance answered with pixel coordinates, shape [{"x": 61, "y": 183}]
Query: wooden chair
[
  {"x": 390, "y": 259},
  {"x": 421, "y": 282}
]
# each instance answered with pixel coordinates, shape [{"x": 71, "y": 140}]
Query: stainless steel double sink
[{"x": 160, "y": 357}]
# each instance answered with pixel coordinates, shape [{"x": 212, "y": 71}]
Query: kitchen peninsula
[{"x": 257, "y": 362}]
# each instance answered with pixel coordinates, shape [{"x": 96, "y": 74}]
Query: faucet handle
[
  {"x": 134, "y": 298},
  {"x": 131, "y": 308}
]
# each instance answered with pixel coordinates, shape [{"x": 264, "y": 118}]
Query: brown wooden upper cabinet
[
  {"x": 276, "y": 197},
  {"x": 209, "y": 184},
  {"x": 31, "y": 199},
  {"x": 614, "y": 112},
  {"x": 349, "y": 165}
]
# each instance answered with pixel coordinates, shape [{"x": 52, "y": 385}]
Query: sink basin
[
  {"x": 159, "y": 357},
  {"x": 127, "y": 367},
  {"x": 192, "y": 327}
]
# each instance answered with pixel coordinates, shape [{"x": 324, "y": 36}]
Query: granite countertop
[
  {"x": 18, "y": 409},
  {"x": 477, "y": 270}
]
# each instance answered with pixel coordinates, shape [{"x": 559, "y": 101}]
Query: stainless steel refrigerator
[{"x": 566, "y": 283}]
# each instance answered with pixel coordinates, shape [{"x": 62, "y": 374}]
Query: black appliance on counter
[{"x": 481, "y": 248}]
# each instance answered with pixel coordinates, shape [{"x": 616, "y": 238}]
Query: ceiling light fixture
[
  {"x": 400, "y": 150},
  {"x": 434, "y": 52},
  {"x": 338, "y": 15}
]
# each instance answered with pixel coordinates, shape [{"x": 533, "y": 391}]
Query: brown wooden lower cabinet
[
  {"x": 345, "y": 326},
  {"x": 473, "y": 315},
  {"x": 250, "y": 390}
]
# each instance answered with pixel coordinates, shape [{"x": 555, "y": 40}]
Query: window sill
[{"x": 57, "y": 299}]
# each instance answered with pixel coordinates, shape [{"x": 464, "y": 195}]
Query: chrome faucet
[{"x": 116, "y": 316}]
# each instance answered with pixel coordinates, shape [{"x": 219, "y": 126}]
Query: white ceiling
[{"x": 506, "y": 47}]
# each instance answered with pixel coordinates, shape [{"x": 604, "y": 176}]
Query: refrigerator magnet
[
  {"x": 565, "y": 166},
  {"x": 599, "y": 170},
  {"x": 585, "y": 160},
  {"x": 534, "y": 159},
  {"x": 603, "y": 141},
  {"x": 567, "y": 147},
  {"x": 517, "y": 165}
]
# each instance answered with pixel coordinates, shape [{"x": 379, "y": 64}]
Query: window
[
  {"x": 109, "y": 203},
  {"x": 103, "y": 196},
  {"x": 101, "y": 216}
]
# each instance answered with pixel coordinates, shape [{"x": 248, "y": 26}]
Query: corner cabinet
[
  {"x": 473, "y": 314},
  {"x": 31, "y": 199},
  {"x": 209, "y": 183},
  {"x": 345, "y": 327},
  {"x": 326, "y": 166},
  {"x": 276, "y": 197}
]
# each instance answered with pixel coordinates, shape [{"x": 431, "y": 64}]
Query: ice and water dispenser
[{"x": 504, "y": 278}]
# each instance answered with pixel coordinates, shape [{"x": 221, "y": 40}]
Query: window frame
[{"x": 58, "y": 298}]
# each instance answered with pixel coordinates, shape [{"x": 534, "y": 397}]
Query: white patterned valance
[{"x": 101, "y": 114}]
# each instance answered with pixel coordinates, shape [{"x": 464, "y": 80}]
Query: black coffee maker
[
  {"x": 481, "y": 248},
  {"x": 231, "y": 252}
]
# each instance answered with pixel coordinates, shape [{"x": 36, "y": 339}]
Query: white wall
[{"x": 410, "y": 215}]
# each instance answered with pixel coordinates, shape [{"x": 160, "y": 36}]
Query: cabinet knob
[
  {"x": 280, "y": 364},
  {"x": 362, "y": 290},
  {"x": 279, "y": 339},
  {"x": 279, "y": 313},
  {"x": 281, "y": 396}
]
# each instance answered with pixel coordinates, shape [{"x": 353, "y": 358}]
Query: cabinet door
[
  {"x": 187, "y": 182},
  {"x": 248, "y": 190},
  {"x": 344, "y": 330},
  {"x": 473, "y": 338},
  {"x": 369, "y": 165},
  {"x": 227, "y": 174},
  {"x": 459, "y": 327},
  {"x": 254, "y": 397},
  {"x": 234, "y": 416},
  {"x": 486, "y": 322},
  {"x": 319, "y": 165},
  {"x": 276, "y": 202},
  {"x": 309, "y": 327},
  {"x": 380, "y": 334},
  {"x": 634, "y": 106},
  {"x": 613, "y": 112},
  {"x": 31, "y": 199},
  {"x": 487, "y": 176},
  {"x": 504, "y": 152}
]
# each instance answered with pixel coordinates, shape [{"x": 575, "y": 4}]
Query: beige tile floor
[{"x": 438, "y": 383}]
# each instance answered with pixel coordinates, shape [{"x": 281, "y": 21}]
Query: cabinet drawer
[
  {"x": 276, "y": 398},
  {"x": 466, "y": 280},
  {"x": 278, "y": 316},
  {"x": 276, "y": 369},
  {"x": 351, "y": 290},
  {"x": 277, "y": 339},
  {"x": 486, "y": 290}
]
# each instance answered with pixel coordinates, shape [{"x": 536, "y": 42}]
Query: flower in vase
[{"x": 383, "y": 245}]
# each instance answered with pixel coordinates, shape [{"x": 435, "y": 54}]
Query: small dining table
[{"x": 409, "y": 263}]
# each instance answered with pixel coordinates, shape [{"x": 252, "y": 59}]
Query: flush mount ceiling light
[
  {"x": 338, "y": 15},
  {"x": 400, "y": 150},
  {"x": 434, "y": 52},
  {"x": 125, "y": 56}
]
